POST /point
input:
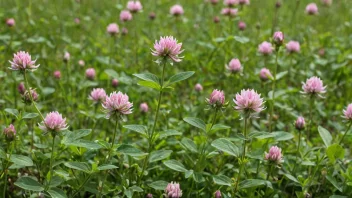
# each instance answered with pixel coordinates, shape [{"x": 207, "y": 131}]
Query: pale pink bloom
[
  {"x": 114, "y": 82},
  {"x": 173, "y": 190},
  {"x": 313, "y": 85},
  {"x": 27, "y": 98},
  {"x": 144, "y": 107},
  {"x": 198, "y": 87},
  {"x": 23, "y": 61},
  {"x": 293, "y": 47},
  {"x": 243, "y": 2},
  {"x": 57, "y": 74},
  {"x": 176, "y": 10},
  {"x": 21, "y": 88},
  {"x": 77, "y": 21},
  {"x": 97, "y": 95},
  {"x": 117, "y": 104},
  {"x": 217, "y": 194},
  {"x": 134, "y": 6},
  {"x": 300, "y": 123},
  {"x": 112, "y": 29},
  {"x": 326, "y": 2},
  {"x": 265, "y": 48},
  {"x": 216, "y": 19},
  {"x": 229, "y": 12},
  {"x": 90, "y": 73},
  {"x": 125, "y": 15},
  {"x": 10, "y": 132},
  {"x": 149, "y": 195},
  {"x": 152, "y": 15},
  {"x": 81, "y": 63},
  {"x": 234, "y": 65},
  {"x": 274, "y": 155},
  {"x": 265, "y": 74},
  {"x": 124, "y": 31},
  {"x": 10, "y": 22},
  {"x": 214, "y": 2},
  {"x": 231, "y": 3},
  {"x": 312, "y": 9},
  {"x": 168, "y": 47},
  {"x": 67, "y": 56},
  {"x": 241, "y": 25},
  {"x": 53, "y": 122},
  {"x": 348, "y": 112},
  {"x": 217, "y": 98},
  {"x": 249, "y": 101},
  {"x": 278, "y": 38}
]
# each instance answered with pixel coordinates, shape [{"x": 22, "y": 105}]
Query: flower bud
[
  {"x": 278, "y": 38},
  {"x": 217, "y": 194},
  {"x": 10, "y": 133},
  {"x": 300, "y": 123},
  {"x": 27, "y": 98}
]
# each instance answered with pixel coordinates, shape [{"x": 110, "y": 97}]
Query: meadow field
[{"x": 176, "y": 98}]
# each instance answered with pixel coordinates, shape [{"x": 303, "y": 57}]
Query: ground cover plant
[{"x": 186, "y": 98}]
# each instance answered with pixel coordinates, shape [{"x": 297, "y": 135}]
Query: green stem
[
  {"x": 273, "y": 90},
  {"x": 151, "y": 137},
  {"x": 30, "y": 95},
  {"x": 297, "y": 152},
  {"x": 51, "y": 163},
  {"x": 269, "y": 173},
  {"x": 348, "y": 128},
  {"x": 108, "y": 157},
  {"x": 5, "y": 170},
  {"x": 243, "y": 153},
  {"x": 311, "y": 104},
  {"x": 81, "y": 186}
]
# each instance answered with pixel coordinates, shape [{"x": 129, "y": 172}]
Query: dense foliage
[{"x": 163, "y": 98}]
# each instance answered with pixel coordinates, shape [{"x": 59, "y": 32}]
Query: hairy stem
[
  {"x": 30, "y": 95},
  {"x": 243, "y": 153}
]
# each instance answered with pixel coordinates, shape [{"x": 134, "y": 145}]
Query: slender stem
[
  {"x": 348, "y": 128},
  {"x": 51, "y": 163},
  {"x": 269, "y": 173},
  {"x": 214, "y": 119},
  {"x": 151, "y": 137},
  {"x": 274, "y": 21},
  {"x": 108, "y": 157},
  {"x": 30, "y": 94},
  {"x": 311, "y": 104},
  {"x": 273, "y": 90},
  {"x": 243, "y": 153},
  {"x": 297, "y": 152},
  {"x": 294, "y": 12},
  {"x": 82, "y": 185},
  {"x": 5, "y": 170}
]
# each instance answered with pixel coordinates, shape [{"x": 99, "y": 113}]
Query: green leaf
[
  {"x": 57, "y": 193},
  {"x": 196, "y": 122},
  {"x": 218, "y": 127},
  {"x": 325, "y": 135},
  {"x": 30, "y": 115},
  {"x": 281, "y": 75},
  {"x": 175, "y": 165},
  {"x": 28, "y": 183},
  {"x": 48, "y": 90},
  {"x": 130, "y": 150},
  {"x": 249, "y": 183},
  {"x": 148, "y": 77},
  {"x": 198, "y": 177},
  {"x": 112, "y": 73},
  {"x": 85, "y": 144},
  {"x": 136, "y": 188},
  {"x": 179, "y": 77},
  {"x": 290, "y": 177},
  {"x": 149, "y": 84},
  {"x": 241, "y": 39},
  {"x": 2, "y": 154},
  {"x": 70, "y": 137},
  {"x": 226, "y": 146},
  {"x": 21, "y": 160},
  {"x": 81, "y": 166},
  {"x": 158, "y": 185},
  {"x": 333, "y": 181},
  {"x": 107, "y": 167},
  {"x": 170, "y": 132},
  {"x": 282, "y": 136},
  {"x": 189, "y": 144},
  {"x": 13, "y": 112},
  {"x": 334, "y": 152},
  {"x": 222, "y": 180},
  {"x": 137, "y": 128},
  {"x": 159, "y": 155}
]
